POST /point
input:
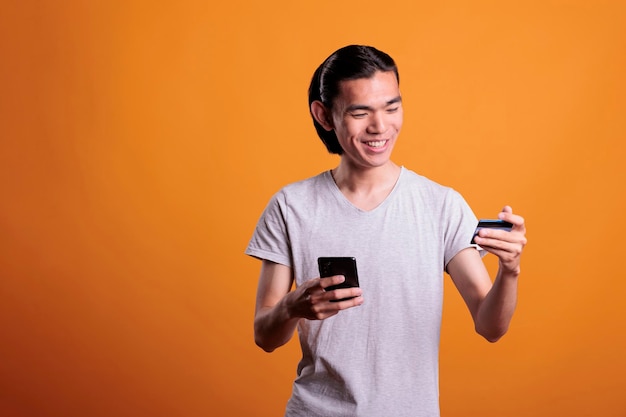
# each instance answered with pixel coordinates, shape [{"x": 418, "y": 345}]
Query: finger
[
  {"x": 332, "y": 280},
  {"x": 487, "y": 236},
  {"x": 327, "y": 304},
  {"x": 496, "y": 234},
  {"x": 506, "y": 251},
  {"x": 491, "y": 242},
  {"x": 344, "y": 303},
  {"x": 512, "y": 241},
  {"x": 345, "y": 293},
  {"x": 310, "y": 289},
  {"x": 517, "y": 220}
]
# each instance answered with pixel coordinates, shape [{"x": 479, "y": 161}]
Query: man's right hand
[
  {"x": 311, "y": 300},
  {"x": 278, "y": 309}
]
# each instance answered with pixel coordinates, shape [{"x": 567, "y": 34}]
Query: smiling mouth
[{"x": 376, "y": 143}]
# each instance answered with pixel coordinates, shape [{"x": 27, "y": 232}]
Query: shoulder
[
  {"x": 306, "y": 185},
  {"x": 419, "y": 183},
  {"x": 302, "y": 189},
  {"x": 300, "y": 192},
  {"x": 432, "y": 195}
]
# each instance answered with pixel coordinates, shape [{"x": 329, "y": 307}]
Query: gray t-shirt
[{"x": 379, "y": 359}]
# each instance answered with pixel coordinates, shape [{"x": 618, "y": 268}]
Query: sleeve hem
[{"x": 268, "y": 256}]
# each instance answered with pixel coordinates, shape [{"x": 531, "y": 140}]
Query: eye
[
  {"x": 358, "y": 115},
  {"x": 393, "y": 109}
]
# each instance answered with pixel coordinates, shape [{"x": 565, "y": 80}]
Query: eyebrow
[{"x": 355, "y": 107}]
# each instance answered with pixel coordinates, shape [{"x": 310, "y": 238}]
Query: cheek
[
  {"x": 347, "y": 128},
  {"x": 398, "y": 121},
  {"x": 336, "y": 118}
]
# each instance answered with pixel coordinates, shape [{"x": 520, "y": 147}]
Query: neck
[
  {"x": 366, "y": 188},
  {"x": 364, "y": 180}
]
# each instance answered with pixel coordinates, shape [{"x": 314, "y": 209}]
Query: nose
[{"x": 378, "y": 124}]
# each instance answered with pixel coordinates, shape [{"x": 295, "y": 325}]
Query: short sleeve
[
  {"x": 270, "y": 240},
  {"x": 460, "y": 224}
]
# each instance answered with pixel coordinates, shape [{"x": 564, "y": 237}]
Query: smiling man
[{"x": 375, "y": 351}]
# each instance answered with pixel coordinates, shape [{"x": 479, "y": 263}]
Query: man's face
[{"x": 367, "y": 117}]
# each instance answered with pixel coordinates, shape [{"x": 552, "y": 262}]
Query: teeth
[{"x": 376, "y": 144}]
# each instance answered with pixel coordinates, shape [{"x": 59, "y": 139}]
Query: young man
[{"x": 375, "y": 354}]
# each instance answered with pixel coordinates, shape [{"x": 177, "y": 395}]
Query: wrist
[
  {"x": 287, "y": 308},
  {"x": 509, "y": 272}
]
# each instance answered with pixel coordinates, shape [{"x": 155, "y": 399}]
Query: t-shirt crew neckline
[{"x": 344, "y": 200}]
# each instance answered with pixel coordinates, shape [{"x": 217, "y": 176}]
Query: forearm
[
  {"x": 273, "y": 326},
  {"x": 278, "y": 309},
  {"x": 496, "y": 310}
]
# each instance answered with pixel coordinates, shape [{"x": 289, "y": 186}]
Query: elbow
[
  {"x": 264, "y": 340},
  {"x": 270, "y": 337},
  {"x": 492, "y": 339},
  {"x": 492, "y": 335},
  {"x": 266, "y": 349},
  {"x": 263, "y": 345},
  {"x": 261, "y": 342}
]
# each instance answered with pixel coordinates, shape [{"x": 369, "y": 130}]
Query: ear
[{"x": 322, "y": 115}]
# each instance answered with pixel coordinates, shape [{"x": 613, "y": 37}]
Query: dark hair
[{"x": 348, "y": 63}]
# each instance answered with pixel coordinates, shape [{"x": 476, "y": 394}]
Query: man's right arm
[
  {"x": 273, "y": 326},
  {"x": 278, "y": 309}
]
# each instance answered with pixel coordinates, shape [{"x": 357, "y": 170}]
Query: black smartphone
[
  {"x": 492, "y": 224},
  {"x": 343, "y": 265}
]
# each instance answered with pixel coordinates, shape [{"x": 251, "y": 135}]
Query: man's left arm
[{"x": 491, "y": 303}]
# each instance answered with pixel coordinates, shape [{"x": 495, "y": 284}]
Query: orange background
[{"x": 140, "y": 141}]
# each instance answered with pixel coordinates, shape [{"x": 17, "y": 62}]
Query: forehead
[{"x": 378, "y": 89}]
